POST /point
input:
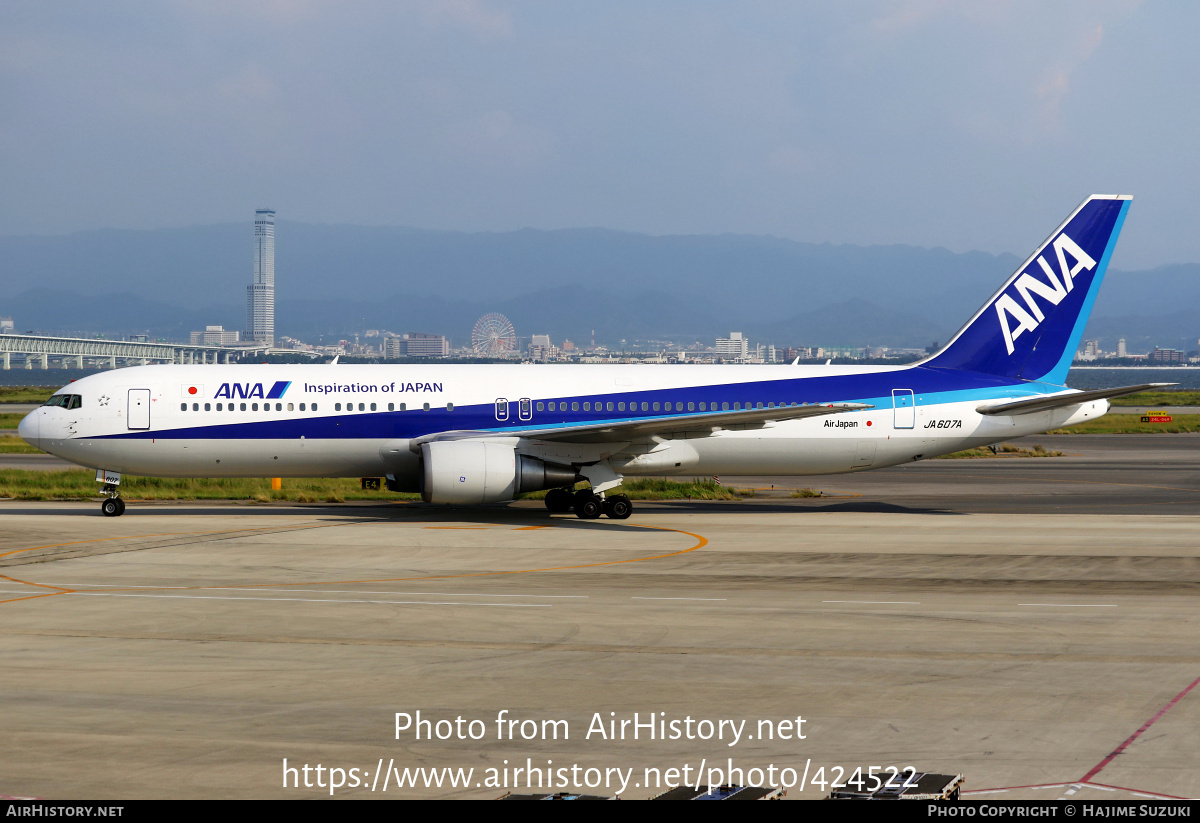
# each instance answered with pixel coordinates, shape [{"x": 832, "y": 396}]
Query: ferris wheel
[{"x": 493, "y": 335}]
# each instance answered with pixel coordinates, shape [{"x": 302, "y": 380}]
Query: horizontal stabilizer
[
  {"x": 1058, "y": 401},
  {"x": 701, "y": 423}
]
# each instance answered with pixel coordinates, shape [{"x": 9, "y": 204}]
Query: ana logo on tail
[{"x": 1054, "y": 291}]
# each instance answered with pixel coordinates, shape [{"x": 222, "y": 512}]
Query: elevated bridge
[{"x": 80, "y": 353}]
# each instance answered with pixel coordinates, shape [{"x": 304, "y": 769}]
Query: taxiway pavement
[{"x": 1017, "y": 620}]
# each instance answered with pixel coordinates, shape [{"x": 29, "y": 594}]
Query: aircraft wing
[
  {"x": 698, "y": 423},
  {"x": 1057, "y": 401}
]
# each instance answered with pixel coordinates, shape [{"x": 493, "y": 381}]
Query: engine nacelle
[{"x": 480, "y": 471}]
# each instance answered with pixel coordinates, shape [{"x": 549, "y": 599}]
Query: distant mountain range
[{"x": 340, "y": 280}]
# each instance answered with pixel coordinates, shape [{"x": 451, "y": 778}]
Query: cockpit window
[{"x": 67, "y": 401}]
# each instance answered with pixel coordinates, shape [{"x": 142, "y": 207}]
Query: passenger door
[
  {"x": 138, "y": 413},
  {"x": 905, "y": 408}
]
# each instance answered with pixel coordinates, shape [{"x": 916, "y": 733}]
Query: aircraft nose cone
[{"x": 29, "y": 427}]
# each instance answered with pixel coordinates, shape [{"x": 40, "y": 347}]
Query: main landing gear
[
  {"x": 114, "y": 506},
  {"x": 587, "y": 505}
]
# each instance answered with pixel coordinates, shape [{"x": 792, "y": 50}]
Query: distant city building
[
  {"x": 1167, "y": 356},
  {"x": 846, "y": 352},
  {"x": 415, "y": 344},
  {"x": 1091, "y": 349},
  {"x": 1121, "y": 348},
  {"x": 215, "y": 336},
  {"x": 735, "y": 346},
  {"x": 260, "y": 294},
  {"x": 6, "y": 325},
  {"x": 540, "y": 348},
  {"x": 427, "y": 345},
  {"x": 568, "y": 346}
]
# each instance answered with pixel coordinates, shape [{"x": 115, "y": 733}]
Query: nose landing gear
[{"x": 114, "y": 506}]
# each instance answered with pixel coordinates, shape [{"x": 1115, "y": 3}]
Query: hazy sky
[{"x": 970, "y": 125}]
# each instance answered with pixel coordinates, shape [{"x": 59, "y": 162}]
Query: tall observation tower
[{"x": 260, "y": 295}]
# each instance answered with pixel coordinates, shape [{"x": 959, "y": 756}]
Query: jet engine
[{"x": 479, "y": 471}]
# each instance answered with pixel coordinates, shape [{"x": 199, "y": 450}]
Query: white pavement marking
[
  {"x": 879, "y": 602},
  {"x": 312, "y": 600},
  {"x": 1074, "y": 605},
  {"x": 679, "y": 598},
  {"x": 314, "y": 591}
]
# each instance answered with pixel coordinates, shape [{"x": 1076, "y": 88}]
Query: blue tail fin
[{"x": 1030, "y": 329}]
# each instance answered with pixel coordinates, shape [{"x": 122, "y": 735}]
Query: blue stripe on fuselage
[{"x": 929, "y": 385}]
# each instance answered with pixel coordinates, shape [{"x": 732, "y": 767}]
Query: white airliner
[{"x": 470, "y": 434}]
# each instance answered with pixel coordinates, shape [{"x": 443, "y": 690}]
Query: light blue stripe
[
  {"x": 1015, "y": 391},
  {"x": 1058, "y": 375}
]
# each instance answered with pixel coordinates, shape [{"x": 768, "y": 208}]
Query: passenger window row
[
  {"x": 267, "y": 406},
  {"x": 247, "y": 406},
  {"x": 73, "y": 401},
  {"x": 656, "y": 406}
]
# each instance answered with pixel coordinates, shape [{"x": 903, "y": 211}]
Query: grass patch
[
  {"x": 1132, "y": 424},
  {"x": 661, "y": 488},
  {"x": 1159, "y": 398},
  {"x": 80, "y": 484},
  {"x": 10, "y": 421},
  {"x": 1003, "y": 450},
  {"x": 806, "y": 493},
  {"x": 26, "y": 394},
  {"x": 11, "y": 444}
]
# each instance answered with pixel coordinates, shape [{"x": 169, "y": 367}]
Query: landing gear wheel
[
  {"x": 559, "y": 500},
  {"x": 618, "y": 507},
  {"x": 588, "y": 506},
  {"x": 120, "y": 507},
  {"x": 112, "y": 507}
]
